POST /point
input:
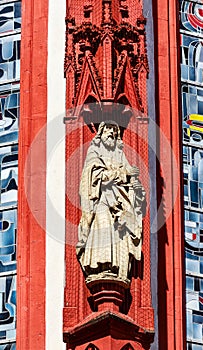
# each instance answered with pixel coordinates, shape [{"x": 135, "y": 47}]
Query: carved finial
[
  {"x": 141, "y": 22},
  {"x": 88, "y": 10},
  {"x": 107, "y": 11},
  {"x": 70, "y": 20},
  {"x": 123, "y": 9}
]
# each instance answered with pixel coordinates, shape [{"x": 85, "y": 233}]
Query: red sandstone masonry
[
  {"x": 31, "y": 285},
  {"x": 95, "y": 73}
]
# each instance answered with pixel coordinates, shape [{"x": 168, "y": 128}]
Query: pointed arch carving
[
  {"x": 106, "y": 54},
  {"x": 127, "y": 347},
  {"x": 91, "y": 347}
]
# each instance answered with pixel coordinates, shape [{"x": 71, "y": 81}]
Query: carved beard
[{"x": 108, "y": 142}]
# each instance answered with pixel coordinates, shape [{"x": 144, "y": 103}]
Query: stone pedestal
[
  {"x": 107, "y": 327},
  {"x": 107, "y": 294},
  {"x": 110, "y": 331}
]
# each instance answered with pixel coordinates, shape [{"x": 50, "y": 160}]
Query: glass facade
[
  {"x": 191, "y": 40},
  {"x": 10, "y": 27}
]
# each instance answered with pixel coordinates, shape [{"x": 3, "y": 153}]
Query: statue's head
[{"x": 109, "y": 134}]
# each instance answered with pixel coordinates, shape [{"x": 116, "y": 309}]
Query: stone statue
[{"x": 112, "y": 202}]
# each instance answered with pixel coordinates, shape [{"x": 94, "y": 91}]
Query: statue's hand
[
  {"x": 139, "y": 190},
  {"x": 136, "y": 185},
  {"x": 110, "y": 176},
  {"x": 133, "y": 171}
]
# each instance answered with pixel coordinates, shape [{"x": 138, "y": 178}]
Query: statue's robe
[{"x": 110, "y": 229}]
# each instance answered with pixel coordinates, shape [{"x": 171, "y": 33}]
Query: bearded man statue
[{"x": 112, "y": 202}]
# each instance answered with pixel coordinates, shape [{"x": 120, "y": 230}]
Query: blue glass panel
[
  {"x": 192, "y": 104},
  {"x": 10, "y": 22},
  {"x": 192, "y": 300},
  {"x": 189, "y": 323},
  {"x": 9, "y": 176},
  {"x": 9, "y": 116},
  {"x": 197, "y": 331},
  {"x": 184, "y": 71},
  {"x": 8, "y": 346},
  {"x": 192, "y": 266},
  {"x": 201, "y": 267},
  {"x": 9, "y": 58},
  {"x": 10, "y": 17},
  {"x": 191, "y": 256},
  {"x": 190, "y": 283},
  {"x": 197, "y": 347},
  {"x": 191, "y": 58},
  {"x": 193, "y": 179},
  {"x": 192, "y": 16},
  {"x": 8, "y": 242},
  {"x": 198, "y": 318},
  {"x": 8, "y": 307}
]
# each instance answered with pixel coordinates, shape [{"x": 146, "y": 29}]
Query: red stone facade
[
  {"x": 122, "y": 81},
  {"x": 31, "y": 283},
  {"x": 105, "y": 66}
]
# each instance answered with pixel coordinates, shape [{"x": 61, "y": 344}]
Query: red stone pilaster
[
  {"x": 170, "y": 237},
  {"x": 31, "y": 237}
]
